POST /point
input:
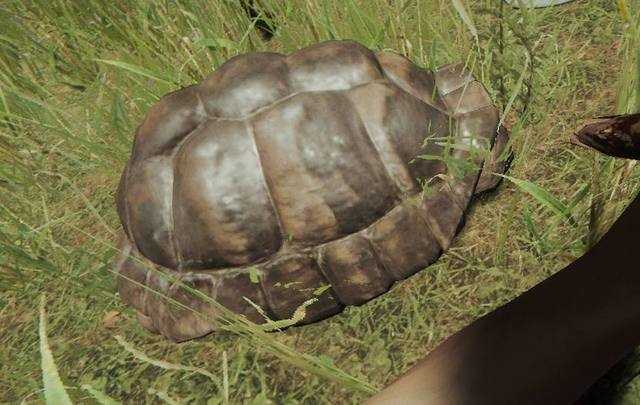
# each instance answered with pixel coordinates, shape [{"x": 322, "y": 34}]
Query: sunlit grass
[{"x": 77, "y": 77}]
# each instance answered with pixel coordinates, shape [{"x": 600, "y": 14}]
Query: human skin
[{"x": 546, "y": 346}]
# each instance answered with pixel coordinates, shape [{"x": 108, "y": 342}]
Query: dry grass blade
[
  {"x": 271, "y": 325},
  {"x": 164, "y": 364},
  {"x": 466, "y": 18}
]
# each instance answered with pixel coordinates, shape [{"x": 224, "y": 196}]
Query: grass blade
[
  {"x": 516, "y": 90},
  {"x": 163, "y": 364},
  {"x": 101, "y": 398},
  {"x": 163, "y": 396},
  {"x": 225, "y": 377},
  {"x": 466, "y": 18},
  {"x": 54, "y": 392},
  {"x": 136, "y": 69},
  {"x": 542, "y": 196}
]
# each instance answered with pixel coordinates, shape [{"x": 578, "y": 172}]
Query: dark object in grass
[
  {"x": 549, "y": 345},
  {"x": 262, "y": 19},
  {"x": 288, "y": 178},
  {"x": 617, "y": 136}
]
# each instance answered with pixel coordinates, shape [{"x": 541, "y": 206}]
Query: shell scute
[
  {"x": 353, "y": 269},
  {"x": 403, "y": 242},
  {"x": 221, "y": 206},
  {"x": 293, "y": 279},
  {"x": 324, "y": 174}
]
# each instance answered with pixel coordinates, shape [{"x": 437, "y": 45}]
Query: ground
[{"x": 76, "y": 79}]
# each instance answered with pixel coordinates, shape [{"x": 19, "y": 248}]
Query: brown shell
[{"x": 299, "y": 169}]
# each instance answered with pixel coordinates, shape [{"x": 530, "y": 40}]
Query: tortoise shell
[{"x": 282, "y": 178}]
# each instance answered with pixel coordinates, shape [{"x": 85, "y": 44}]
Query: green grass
[{"x": 77, "y": 77}]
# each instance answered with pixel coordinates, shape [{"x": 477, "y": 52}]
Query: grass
[{"x": 77, "y": 77}]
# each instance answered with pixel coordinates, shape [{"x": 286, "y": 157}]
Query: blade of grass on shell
[
  {"x": 271, "y": 325},
  {"x": 54, "y": 392}
]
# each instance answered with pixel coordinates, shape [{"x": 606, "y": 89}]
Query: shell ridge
[
  {"x": 455, "y": 197},
  {"x": 124, "y": 255},
  {"x": 479, "y": 108},
  {"x": 464, "y": 78},
  {"x": 174, "y": 241},
  {"x": 425, "y": 219},
  {"x": 145, "y": 294},
  {"x": 256, "y": 150},
  {"x": 172, "y": 221},
  {"x": 268, "y": 309},
  {"x": 291, "y": 95},
  {"x": 318, "y": 257},
  {"x": 380, "y": 262},
  {"x": 377, "y": 148},
  {"x": 392, "y": 145},
  {"x": 389, "y": 78},
  {"x": 169, "y": 294},
  {"x": 127, "y": 208},
  {"x": 452, "y": 109}
]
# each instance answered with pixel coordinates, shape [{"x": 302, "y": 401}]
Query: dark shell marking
[{"x": 300, "y": 169}]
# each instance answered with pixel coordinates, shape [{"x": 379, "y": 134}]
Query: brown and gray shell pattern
[{"x": 284, "y": 178}]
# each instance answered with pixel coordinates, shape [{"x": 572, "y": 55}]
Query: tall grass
[
  {"x": 77, "y": 77},
  {"x": 605, "y": 207},
  {"x": 629, "y": 82}
]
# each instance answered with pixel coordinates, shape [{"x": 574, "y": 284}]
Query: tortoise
[{"x": 281, "y": 178}]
